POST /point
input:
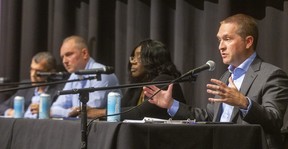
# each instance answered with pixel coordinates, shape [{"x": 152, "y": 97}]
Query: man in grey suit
[
  {"x": 250, "y": 92},
  {"x": 41, "y": 62}
]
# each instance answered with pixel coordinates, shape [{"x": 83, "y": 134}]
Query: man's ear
[
  {"x": 85, "y": 53},
  {"x": 249, "y": 41}
]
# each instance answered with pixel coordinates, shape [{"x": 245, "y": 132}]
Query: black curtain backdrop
[{"x": 114, "y": 27}]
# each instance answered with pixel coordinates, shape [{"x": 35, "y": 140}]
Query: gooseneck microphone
[
  {"x": 53, "y": 74},
  {"x": 4, "y": 80},
  {"x": 210, "y": 65},
  {"x": 102, "y": 70}
]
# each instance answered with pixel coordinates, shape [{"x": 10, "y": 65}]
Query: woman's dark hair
[{"x": 156, "y": 60}]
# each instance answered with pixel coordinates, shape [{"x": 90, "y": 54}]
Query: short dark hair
[{"x": 48, "y": 58}]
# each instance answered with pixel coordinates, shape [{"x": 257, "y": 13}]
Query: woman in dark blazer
[{"x": 150, "y": 61}]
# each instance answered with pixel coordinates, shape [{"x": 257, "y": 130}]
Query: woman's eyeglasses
[{"x": 135, "y": 59}]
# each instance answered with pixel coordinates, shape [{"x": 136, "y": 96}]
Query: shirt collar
[
  {"x": 89, "y": 63},
  {"x": 36, "y": 93},
  {"x": 242, "y": 68}
]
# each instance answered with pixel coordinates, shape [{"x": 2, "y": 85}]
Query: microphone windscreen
[
  {"x": 211, "y": 65},
  {"x": 109, "y": 69}
]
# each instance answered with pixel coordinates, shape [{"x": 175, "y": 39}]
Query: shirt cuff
[
  {"x": 59, "y": 112},
  {"x": 174, "y": 108},
  {"x": 6, "y": 112},
  {"x": 245, "y": 111}
]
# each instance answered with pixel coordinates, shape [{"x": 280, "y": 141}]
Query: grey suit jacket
[{"x": 267, "y": 86}]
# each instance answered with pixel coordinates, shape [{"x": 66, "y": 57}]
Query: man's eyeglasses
[{"x": 133, "y": 59}]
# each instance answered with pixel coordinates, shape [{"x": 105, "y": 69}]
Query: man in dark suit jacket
[
  {"x": 250, "y": 92},
  {"x": 41, "y": 62}
]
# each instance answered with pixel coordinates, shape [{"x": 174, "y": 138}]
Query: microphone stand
[
  {"x": 38, "y": 84},
  {"x": 18, "y": 83},
  {"x": 49, "y": 79},
  {"x": 93, "y": 89},
  {"x": 84, "y": 98}
]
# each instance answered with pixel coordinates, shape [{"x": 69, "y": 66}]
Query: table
[{"x": 66, "y": 134}]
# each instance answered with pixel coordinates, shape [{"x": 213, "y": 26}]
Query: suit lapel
[
  {"x": 218, "y": 106},
  {"x": 249, "y": 78}
]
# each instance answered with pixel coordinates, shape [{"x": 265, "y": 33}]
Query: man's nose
[
  {"x": 221, "y": 45},
  {"x": 64, "y": 60},
  {"x": 33, "y": 73}
]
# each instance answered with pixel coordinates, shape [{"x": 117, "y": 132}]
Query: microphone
[
  {"x": 103, "y": 70},
  {"x": 210, "y": 65},
  {"x": 4, "y": 80},
  {"x": 53, "y": 74}
]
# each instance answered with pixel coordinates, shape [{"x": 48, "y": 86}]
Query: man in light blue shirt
[{"x": 75, "y": 56}]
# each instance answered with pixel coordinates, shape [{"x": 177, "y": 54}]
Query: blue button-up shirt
[
  {"x": 98, "y": 99},
  {"x": 237, "y": 75},
  {"x": 35, "y": 100}
]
